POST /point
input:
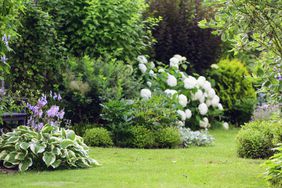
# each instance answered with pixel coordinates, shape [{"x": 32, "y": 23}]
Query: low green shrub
[
  {"x": 234, "y": 85},
  {"x": 98, "y": 137},
  {"x": 168, "y": 137},
  {"x": 274, "y": 168},
  {"x": 80, "y": 129},
  {"x": 50, "y": 148},
  {"x": 141, "y": 137},
  {"x": 257, "y": 139}
]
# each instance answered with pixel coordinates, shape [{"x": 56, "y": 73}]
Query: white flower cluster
[{"x": 186, "y": 89}]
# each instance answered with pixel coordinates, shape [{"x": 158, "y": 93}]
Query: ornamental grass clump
[{"x": 195, "y": 101}]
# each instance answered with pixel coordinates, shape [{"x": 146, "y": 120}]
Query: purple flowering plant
[{"x": 46, "y": 112}]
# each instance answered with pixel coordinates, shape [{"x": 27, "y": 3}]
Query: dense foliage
[
  {"x": 253, "y": 26},
  {"x": 98, "y": 28},
  {"x": 178, "y": 33},
  {"x": 50, "y": 148},
  {"x": 97, "y": 137},
  {"x": 88, "y": 82},
  {"x": 274, "y": 168},
  {"x": 234, "y": 85},
  {"x": 140, "y": 137},
  {"x": 168, "y": 137},
  {"x": 257, "y": 139},
  {"x": 37, "y": 62}
]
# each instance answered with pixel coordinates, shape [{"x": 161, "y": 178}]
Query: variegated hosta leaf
[
  {"x": 25, "y": 164},
  {"x": 49, "y": 158}
]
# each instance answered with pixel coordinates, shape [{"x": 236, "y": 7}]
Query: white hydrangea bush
[{"x": 196, "y": 101}]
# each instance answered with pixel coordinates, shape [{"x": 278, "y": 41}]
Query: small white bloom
[
  {"x": 207, "y": 86},
  {"x": 180, "y": 123},
  {"x": 142, "y": 67},
  {"x": 182, "y": 114},
  {"x": 149, "y": 84},
  {"x": 208, "y": 102},
  {"x": 170, "y": 92},
  {"x": 174, "y": 62},
  {"x": 202, "y": 99},
  {"x": 188, "y": 113},
  {"x": 214, "y": 66},
  {"x": 190, "y": 82},
  {"x": 225, "y": 125},
  {"x": 146, "y": 93},
  {"x": 220, "y": 107},
  {"x": 204, "y": 123},
  {"x": 203, "y": 108},
  {"x": 215, "y": 101},
  {"x": 151, "y": 73},
  {"x": 182, "y": 99},
  {"x": 171, "y": 81},
  {"x": 180, "y": 58},
  {"x": 201, "y": 81},
  {"x": 161, "y": 70},
  {"x": 142, "y": 59},
  {"x": 198, "y": 95},
  {"x": 211, "y": 93}
]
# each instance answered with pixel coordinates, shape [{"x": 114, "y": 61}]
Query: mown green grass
[{"x": 198, "y": 167}]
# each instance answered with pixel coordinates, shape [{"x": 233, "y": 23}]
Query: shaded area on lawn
[{"x": 215, "y": 166}]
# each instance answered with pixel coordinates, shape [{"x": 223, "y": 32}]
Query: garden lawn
[{"x": 208, "y": 167}]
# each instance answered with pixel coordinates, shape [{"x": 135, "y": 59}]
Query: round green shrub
[
  {"x": 98, "y": 137},
  {"x": 168, "y": 137},
  {"x": 141, "y": 137},
  {"x": 234, "y": 85},
  {"x": 257, "y": 139}
]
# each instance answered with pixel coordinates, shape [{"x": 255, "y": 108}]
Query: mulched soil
[{"x": 7, "y": 171}]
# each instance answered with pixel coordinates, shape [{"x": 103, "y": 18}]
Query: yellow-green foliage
[{"x": 234, "y": 85}]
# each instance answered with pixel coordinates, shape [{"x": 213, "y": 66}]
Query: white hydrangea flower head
[
  {"x": 149, "y": 84},
  {"x": 207, "y": 86},
  {"x": 180, "y": 123},
  {"x": 142, "y": 59},
  {"x": 188, "y": 113},
  {"x": 152, "y": 73},
  {"x": 198, "y": 95},
  {"x": 211, "y": 93},
  {"x": 203, "y": 109},
  {"x": 182, "y": 99},
  {"x": 180, "y": 58},
  {"x": 174, "y": 62},
  {"x": 201, "y": 81},
  {"x": 182, "y": 114},
  {"x": 220, "y": 107},
  {"x": 225, "y": 125},
  {"x": 190, "y": 82},
  {"x": 202, "y": 99},
  {"x": 208, "y": 102},
  {"x": 146, "y": 93},
  {"x": 215, "y": 101},
  {"x": 170, "y": 92},
  {"x": 142, "y": 67},
  {"x": 214, "y": 66},
  {"x": 171, "y": 81},
  {"x": 204, "y": 123}
]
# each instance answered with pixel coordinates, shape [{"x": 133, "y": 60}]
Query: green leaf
[
  {"x": 24, "y": 145},
  {"x": 3, "y": 154},
  {"x": 24, "y": 165},
  {"x": 37, "y": 148},
  {"x": 49, "y": 158},
  {"x": 57, "y": 163},
  {"x": 70, "y": 135},
  {"x": 66, "y": 143}
]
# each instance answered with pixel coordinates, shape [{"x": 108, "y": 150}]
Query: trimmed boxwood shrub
[
  {"x": 141, "y": 137},
  {"x": 168, "y": 137},
  {"x": 257, "y": 139},
  {"x": 98, "y": 137},
  {"x": 234, "y": 85}
]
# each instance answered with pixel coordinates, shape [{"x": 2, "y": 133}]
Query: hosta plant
[
  {"x": 195, "y": 101},
  {"x": 50, "y": 148}
]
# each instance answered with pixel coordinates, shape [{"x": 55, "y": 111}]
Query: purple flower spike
[
  {"x": 59, "y": 97},
  {"x": 4, "y": 59},
  {"x": 61, "y": 114},
  {"x": 6, "y": 39},
  {"x": 55, "y": 96},
  {"x": 53, "y": 111},
  {"x": 42, "y": 101},
  {"x": 279, "y": 77}
]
